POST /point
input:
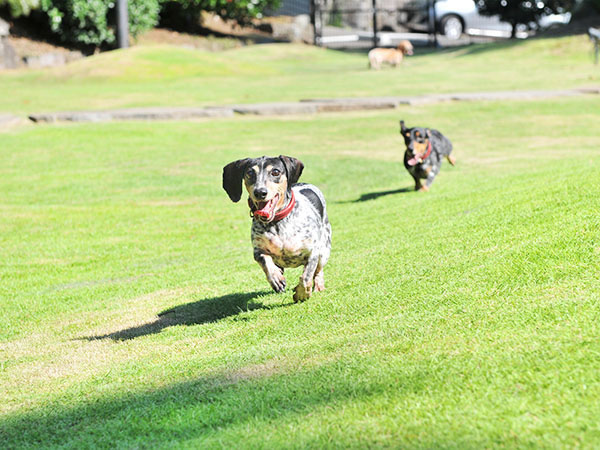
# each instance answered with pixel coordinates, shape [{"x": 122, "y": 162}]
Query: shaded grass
[
  {"x": 170, "y": 76},
  {"x": 134, "y": 315}
]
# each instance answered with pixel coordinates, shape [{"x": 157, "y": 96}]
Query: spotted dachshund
[
  {"x": 290, "y": 227},
  {"x": 425, "y": 149}
]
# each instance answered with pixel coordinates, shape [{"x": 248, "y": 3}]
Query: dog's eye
[
  {"x": 250, "y": 173},
  {"x": 275, "y": 172}
]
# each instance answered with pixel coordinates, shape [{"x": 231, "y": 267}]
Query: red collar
[
  {"x": 428, "y": 152},
  {"x": 281, "y": 214}
]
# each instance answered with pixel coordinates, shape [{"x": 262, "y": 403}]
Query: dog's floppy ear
[
  {"x": 232, "y": 178},
  {"x": 293, "y": 167},
  {"x": 402, "y": 127}
]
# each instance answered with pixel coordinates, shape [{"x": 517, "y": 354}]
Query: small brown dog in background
[{"x": 392, "y": 56}]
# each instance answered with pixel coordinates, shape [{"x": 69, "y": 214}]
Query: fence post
[
  {"x": 432, "y": 25},
  {"x": 313, "y": 21},
  {"x": 318, "y": 11},
  {"x": 122, "y": 24},
  {"x": 375, "y": 40},
  {"x": 595, "y": 37}
]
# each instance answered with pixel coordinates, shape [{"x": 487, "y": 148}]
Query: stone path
[
  {"x": 307, "y": 106},
  {"x": 7, "y": 119}
]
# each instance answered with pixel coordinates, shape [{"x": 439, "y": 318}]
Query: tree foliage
[
  {"x": 239, "y": 10},
  {"x": 19, "y": 8},
  {"x": 92, "y": 22},
  {"x": 523, "y": 12}
]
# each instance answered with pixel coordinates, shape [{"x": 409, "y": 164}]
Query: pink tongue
[
  {"x": 267, "y": 209},
  {"x": 413, "y": 161}
]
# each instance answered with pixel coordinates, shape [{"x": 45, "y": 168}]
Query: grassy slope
[
  {"x": 151, "y": 76},
  {"x": 463, "y": 318}
]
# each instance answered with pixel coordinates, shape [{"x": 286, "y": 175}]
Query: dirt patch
[
  {"x": 216, "y": 34},
  {"x": 163, "y": 36},
  {"x": 27, "y": 46},
  {"x": 267, "y": 369}
]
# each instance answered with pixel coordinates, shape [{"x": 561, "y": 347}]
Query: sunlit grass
[
  {"x": 173, "y": 76},
  {"x": 133, "y": 314}
]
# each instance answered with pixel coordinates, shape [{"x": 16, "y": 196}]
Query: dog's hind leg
[
  {"x": 273, "y": 272},
  {"x": 451, "y": 159},
  {"x": 431, "y": 174},
  {"x": 319, "y": 279},
  {"x": 304, "y": 288}
]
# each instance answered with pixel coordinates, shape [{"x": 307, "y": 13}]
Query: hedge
[{"x": 92, "y": 22}]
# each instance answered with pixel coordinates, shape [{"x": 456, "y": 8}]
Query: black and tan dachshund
[{"x": 425, "y": 149}]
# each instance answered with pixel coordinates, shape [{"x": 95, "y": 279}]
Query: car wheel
[{"x": 452, "y": 27}]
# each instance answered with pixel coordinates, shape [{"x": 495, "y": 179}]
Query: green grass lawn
[
  {"x": 134, "y": 316},
  {"x": 170, "y": 76}
]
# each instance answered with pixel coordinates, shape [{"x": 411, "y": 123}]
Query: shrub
[
  {"x": 20, "y": 7},
  {"x": 185, "y": 14},
  {"x": 79, "y": 21},
  {"x": 143, "y": 15},
  {"x": 92, "y": 22}
]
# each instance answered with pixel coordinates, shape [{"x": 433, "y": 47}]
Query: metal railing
[{"x": 334, "y": 22}]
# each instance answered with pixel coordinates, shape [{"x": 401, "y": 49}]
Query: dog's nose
[{"x": 260, "y": 193}]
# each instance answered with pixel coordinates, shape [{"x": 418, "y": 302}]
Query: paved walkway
[{"x": 308, "y": 106}]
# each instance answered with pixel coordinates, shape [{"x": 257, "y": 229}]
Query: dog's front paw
[
  {"x": 423, "y": 188},
  {"x": 278, "y": 283},
  {"x": 302, "y": 293}
]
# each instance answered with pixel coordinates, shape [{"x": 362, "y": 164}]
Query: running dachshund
[
  {"x": 425, "y": 149},
  {"x": 290, "y": 227}
]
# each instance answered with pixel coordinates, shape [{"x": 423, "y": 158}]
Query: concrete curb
[
  {"x": 352, "y": 104},
  {"x": 132, "y": 114},
  {"x": 274, "y": 109},
  {"x": 7, "y": 119},
  {"x": 514, "y": 95},
  {"x": 305, "y": 106}
]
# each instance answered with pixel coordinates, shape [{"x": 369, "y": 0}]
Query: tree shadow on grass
[
  {"x": 487, "y": 47},
  {"x": 374, "y": 195},
  {"x": 194, "y": 410},
  {"x": 194, "y": 313}
]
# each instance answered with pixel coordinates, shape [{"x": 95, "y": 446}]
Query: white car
[{"x": 456, "y": 17}]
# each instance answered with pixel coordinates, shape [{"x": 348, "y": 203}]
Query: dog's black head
[
  {"x": 418, "y": 142},
  {"x": 267, "y": 180}
]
